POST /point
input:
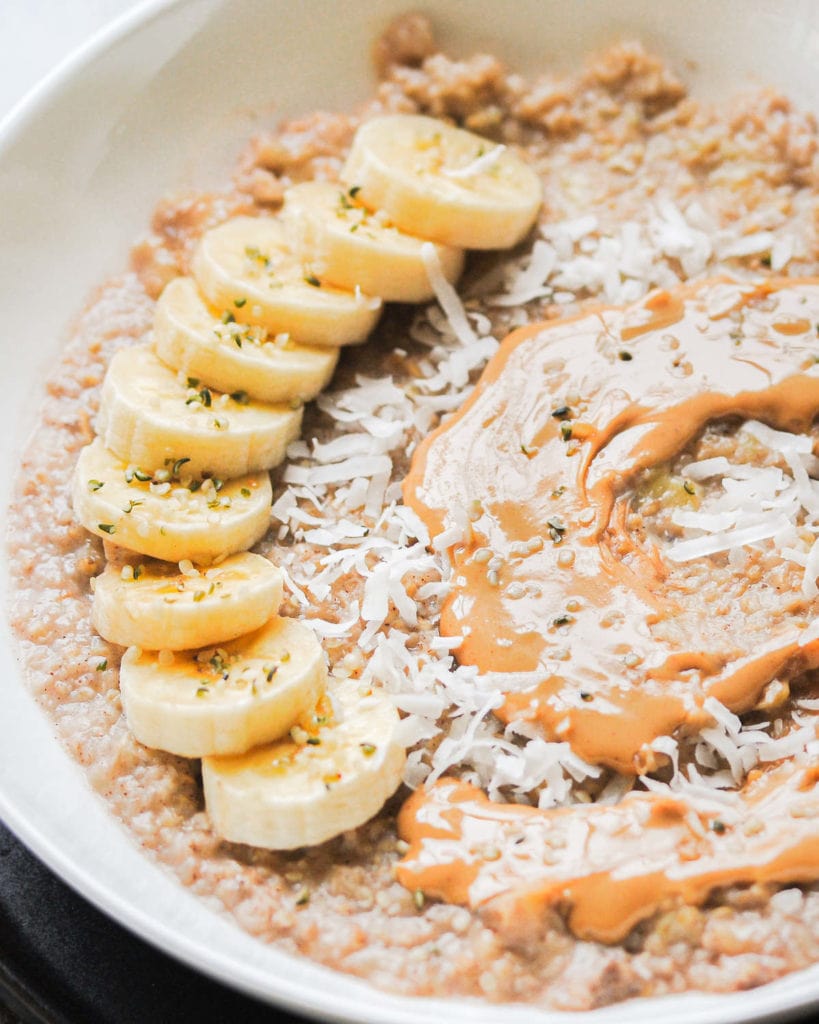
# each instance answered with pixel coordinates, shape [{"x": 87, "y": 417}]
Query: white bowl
[{"x": 163, "y": 100}]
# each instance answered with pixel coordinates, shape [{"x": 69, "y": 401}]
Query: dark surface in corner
[{"x": 63, "y": 962}]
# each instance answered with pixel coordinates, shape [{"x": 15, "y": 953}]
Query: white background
[{"x": 36, "y": 34}]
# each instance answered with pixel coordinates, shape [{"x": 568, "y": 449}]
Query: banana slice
[
  {"x": 149, "y": 417},
  {"x": 443, "y": 183},
  {"x": 290, "y": 794},
  {"x": 347, "y": 245},
  {"x": 230, "y": 356},
  {"x": 161, "y": 517},
  {"x": 165, "y": 606},
  {"x": 244, "y": 268},
  {"x": 227, "y": 699}
]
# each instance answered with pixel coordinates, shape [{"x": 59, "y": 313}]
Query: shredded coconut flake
[
  {"x": 481, "y": 163},
  {"x": 333, "y": 487},
  {"x": 447, "y": 296},
  {"x": 685, "y": 550}
]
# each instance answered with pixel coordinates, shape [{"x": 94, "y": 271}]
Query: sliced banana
[
  {"x": 226, "y": 699},
  {"x": 165, "y": 606},
  {"x": 231, "y": 356},
  {"x": 443, "y": 183},
  {"x": 245, "y": 268},
  {"x": 303, "y": 791},
  {"x": 153, "y": 417},
  {"x": 161, "y": 517},
  {"x": 349, "y": 246}
]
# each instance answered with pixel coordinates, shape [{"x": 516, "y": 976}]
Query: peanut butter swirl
[
  {"x": 606, "y": 867},
  {"x": 593, "y": 649}
]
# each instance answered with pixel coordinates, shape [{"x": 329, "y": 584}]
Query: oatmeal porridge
[{"x": 580, "y": 609}]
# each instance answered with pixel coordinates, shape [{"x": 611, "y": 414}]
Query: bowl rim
[
  {"x": 280, "y": 989},
  {"x": 38, "y": 95}
]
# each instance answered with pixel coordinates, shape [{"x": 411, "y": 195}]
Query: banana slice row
[
  {"x": 188, "y": 428},
  {"x": 224, "y": 699},
  {"x": 163, "y": 606},
  {"x": 257, "y": 330},
  {"x": 443, "y": 183},
  {"x": 290, "y": 794},
  {"x": 233, "y": 357},
  {"x": 349, "y": 246},
  {"x": 162, "y": 517},
  {"x": 246, "y": 267},
  {"x": 152, "y": 418}
]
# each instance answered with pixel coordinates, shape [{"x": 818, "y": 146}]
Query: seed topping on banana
[{"x": 178, "y": 481}]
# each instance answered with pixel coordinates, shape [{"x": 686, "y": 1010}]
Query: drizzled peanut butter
[
  {"x": 564, "y": 420},
  {"x": 607, "y": 867},
  {"x": 598, "y": 649}
]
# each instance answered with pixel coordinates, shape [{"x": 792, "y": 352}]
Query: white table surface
[{"x": 35, "y": 35}]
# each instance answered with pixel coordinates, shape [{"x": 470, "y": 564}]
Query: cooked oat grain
[{"x": 644, "y": 187}]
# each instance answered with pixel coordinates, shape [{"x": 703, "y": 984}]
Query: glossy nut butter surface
[
  {"x": 597, "y": 649},
  {"x": 609, "y": 867},
  {"x": 564, "y": 419}
]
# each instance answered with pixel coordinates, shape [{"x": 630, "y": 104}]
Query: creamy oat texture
[{"x": 644, "y": 188}]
